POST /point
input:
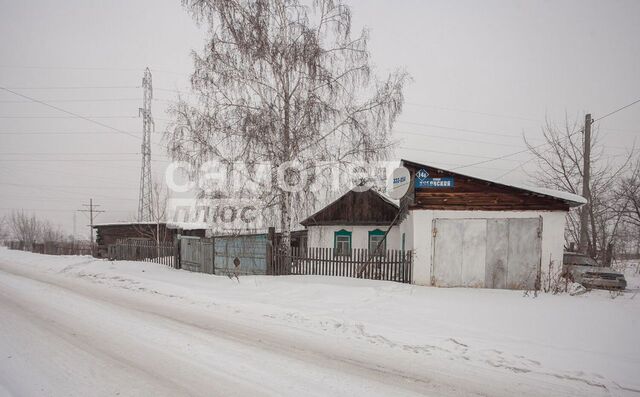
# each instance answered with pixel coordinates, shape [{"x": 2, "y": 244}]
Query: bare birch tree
[
  {"x": 24, "y": 227},
  {"x": 4, "y": 232},
  {"x": 51, "y": 233},
  {"x": 560, "y": 166},
  {"x": 281, "y": 81},
  {"x": 629, "y": 191}
]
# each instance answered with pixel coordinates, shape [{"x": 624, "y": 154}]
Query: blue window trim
[
  {"x": 377, "y": 232},
  {"x": 342, "y": 232}
]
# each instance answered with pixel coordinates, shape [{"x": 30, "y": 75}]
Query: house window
[
  {"x": 403, "y": 242},
  {"x": 376, "y": 237},
  {"x": 342, "y": 243}
]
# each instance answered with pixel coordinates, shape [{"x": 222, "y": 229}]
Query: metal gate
[
  {"x": 241, "y": 254},
  {"x": 490, "y": 253},
  {"x": 196, "y": 254}
]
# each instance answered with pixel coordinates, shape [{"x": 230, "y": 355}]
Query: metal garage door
[{"x": 491, "y": 253}]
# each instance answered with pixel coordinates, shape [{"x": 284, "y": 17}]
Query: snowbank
[{"x": 587, "y": 341}]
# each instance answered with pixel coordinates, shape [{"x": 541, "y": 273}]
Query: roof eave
[{"x": 570, "y": 203}]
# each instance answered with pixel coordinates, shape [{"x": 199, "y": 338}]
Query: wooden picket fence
[
  {"x": 394, "y": 265},
  {"x": 164, "y": 253}
]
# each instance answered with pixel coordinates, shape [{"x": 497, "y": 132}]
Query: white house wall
[
  {"x": 322, "y": 236},
  {"x": 419, "y": 235}
]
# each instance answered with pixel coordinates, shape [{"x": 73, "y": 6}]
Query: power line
[
  {"x": 90, "y": 69},
  {"x": 515, "y": 168},
  {"x": 55, "y": 189},
  {"x": 68, "y": 68},
  {"x": 68, "y": 112},
  {"x": 115, "y": 87},
  {"x": 49, "y": 209},
  {"x": 472, "y": 112},
  {"x": 67, "y": 117},
  {"x": 49, "y": 170},
  {"x": 520, "y": 152},
  {"x": 180, "y": 91},
  {"x": 69, "y": 154},
  {"x": 456, "y": 139},
  {"x": 64, "y": 133},
  {"x": 77, "y": 160},
  {"x": 458, "y": 129},
  {"x": 617, "y": 110},
  {"x": 449, "y": 164},
  {"x": 546, "y": 143},
  {"x": 77, "y": 100},
  {"x": 450, "y": 153},
  {"x": 429, "y": 135},
  {"x": 65, "y": 199},
  {"x": 110, "y": 187}
]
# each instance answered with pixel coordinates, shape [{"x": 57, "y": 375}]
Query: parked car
[{"x": 585, "y": 270}]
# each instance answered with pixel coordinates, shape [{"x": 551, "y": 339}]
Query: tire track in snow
[{"x": 368, "y": 378}]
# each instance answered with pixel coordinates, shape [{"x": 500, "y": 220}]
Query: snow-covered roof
[
  {"x": 126, "y": 223},
  {"x": 188, "y": 225},
  {"x": 572, "y": 199},
  {"x": 170, "y": 225},
  {"x": 566, "y": 196}
]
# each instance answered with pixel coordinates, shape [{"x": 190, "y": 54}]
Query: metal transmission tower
[{"x": 146, "y": 195}]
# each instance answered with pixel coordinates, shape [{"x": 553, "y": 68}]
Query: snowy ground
[{"x": 76, "y": 326}]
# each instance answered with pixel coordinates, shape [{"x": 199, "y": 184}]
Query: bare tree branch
[{"x": 282, "y": 81}]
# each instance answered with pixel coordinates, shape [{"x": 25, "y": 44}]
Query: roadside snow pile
[{"x": 589, "y": 339}]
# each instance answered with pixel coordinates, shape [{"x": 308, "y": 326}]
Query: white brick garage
[{"x": 491, "y": 253}]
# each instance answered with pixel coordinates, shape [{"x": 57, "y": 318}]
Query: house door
[{"x": 491, "y": 253}]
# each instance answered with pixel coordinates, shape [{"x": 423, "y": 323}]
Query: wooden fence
[
  {"x": 164, "y": 253},
  {"x": 54, "y": 248},
  {"x": 394, "y": 265},
  {"x": 201, "y": 255}
]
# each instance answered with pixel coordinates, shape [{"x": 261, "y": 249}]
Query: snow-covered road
[
  {"x": 78, "y": 327},
  {"x": 64, "y": 339}
]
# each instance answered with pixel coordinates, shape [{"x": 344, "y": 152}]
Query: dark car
[{"x": 585, "y": 270}]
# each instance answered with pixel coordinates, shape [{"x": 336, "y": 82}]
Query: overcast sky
[{"x": 485, "y": 73}]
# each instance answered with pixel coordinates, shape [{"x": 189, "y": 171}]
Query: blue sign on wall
[
  {"x": 423, "y": 181},
  {"x": 434, "y": 182}
]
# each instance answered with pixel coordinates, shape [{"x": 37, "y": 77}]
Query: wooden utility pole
[
  {"x": 586, "y": 190},
  {"x": 93, "y": 212}
]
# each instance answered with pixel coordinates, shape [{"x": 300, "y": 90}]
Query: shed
[
  {"x": 110, "y": 233},
  {"x": 467, "y": 231}
]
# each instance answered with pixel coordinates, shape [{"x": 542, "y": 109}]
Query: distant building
[{"x": 110, "y": 233}]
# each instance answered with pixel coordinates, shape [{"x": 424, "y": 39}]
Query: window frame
[
  {"x": 377, "y": 233},
  {"x": 342, "y": 233}
]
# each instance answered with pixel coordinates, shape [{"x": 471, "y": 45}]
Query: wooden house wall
[
  {"x": 110, "y": 234},
  {"x": 194, "y": 233},
  {"x": 475, "y": 194}
]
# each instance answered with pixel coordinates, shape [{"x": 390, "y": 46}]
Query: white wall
[
  {"x": 322, "y": 236},
  {"x": 421, "y": 222}
]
